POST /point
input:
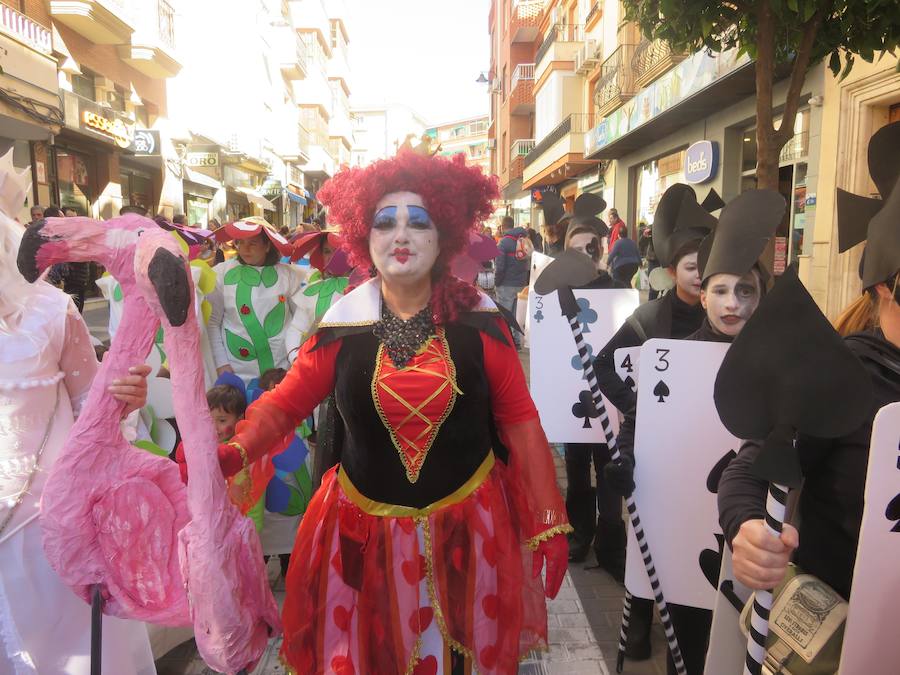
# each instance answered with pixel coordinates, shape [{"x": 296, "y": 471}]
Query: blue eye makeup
[
  {"x": 419, "y": 218},
  {"x": 386, "y": 218}
]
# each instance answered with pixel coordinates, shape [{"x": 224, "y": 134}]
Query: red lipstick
[{"x": 401, "y": 254}]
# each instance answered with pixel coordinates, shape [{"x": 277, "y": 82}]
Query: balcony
[
  {"x": 561, "y": 43},
  {"x": 523, "y": 24},
  {"x": 651, "y": 59},
  {"x": 290, "y": 51},
  {"x": 296, "y": 149},
  {"x": 310, "y": 16},
  {"x": 560, "y": 154},
  {"x": 152, "y": 48},
  {"x": 340, "y": 127},
  {"x": 587, "y": 58},
  {"x": 338, "y": 69},
  {"x": 616, "y": 84},
  {"x": 103, "y": 22},
  {"x": 517, "y": 154},
  {"x": 593, "y": 15},
  {"x": 521, "y": 90},
  {"x": 314, "y": 91}
]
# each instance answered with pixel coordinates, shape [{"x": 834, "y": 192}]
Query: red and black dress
[{"x": 418, "y": 543}]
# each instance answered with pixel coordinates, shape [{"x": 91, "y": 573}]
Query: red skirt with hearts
[{"x": 367, "y": 580}]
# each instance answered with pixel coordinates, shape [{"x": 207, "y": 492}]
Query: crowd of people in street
[{"x": 372, "y": 418}]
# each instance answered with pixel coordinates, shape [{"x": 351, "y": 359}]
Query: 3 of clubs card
[
  {"x": 681, "y": 448},
  {"x": 559, "y": 387}
]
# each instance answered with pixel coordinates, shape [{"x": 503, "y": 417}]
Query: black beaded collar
[{"x": 402, "y": 339}]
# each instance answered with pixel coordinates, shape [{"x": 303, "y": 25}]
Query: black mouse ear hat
[
  {"x": 679, "y": 218},
  {"x": 570, "y": 269},
  {"x": 745, "y": 227},
  {"x": 789, "y": 372},
  {"x": 876, "y": 221}
]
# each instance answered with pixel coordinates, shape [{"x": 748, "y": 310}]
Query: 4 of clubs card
[{"x": 681, "y": 448}]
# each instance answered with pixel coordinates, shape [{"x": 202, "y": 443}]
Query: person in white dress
[{"x": 47, "y": 363}]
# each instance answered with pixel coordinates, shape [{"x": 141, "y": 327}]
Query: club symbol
[
  {"x": 576, "y": 361},
  {"x": 585, "y": 409},
  {"x": 661, "y": 390},
  {"x": 539, "y": 316},
  {"x": 586, "y": 315}
]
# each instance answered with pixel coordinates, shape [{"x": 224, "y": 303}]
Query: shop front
[{"x": 29, "y": 108}]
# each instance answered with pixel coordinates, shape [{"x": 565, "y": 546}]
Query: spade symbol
[
  {"x": 711, "y": 561},
  {"x": 712, "y": 480},
  {"x": 892, "y": 512},
  {"x": 629, "y": 382},
  {"x": 539, "y": 316},
  {"x": 585, "y": 409},
  {"x": 661, "y": 390}
]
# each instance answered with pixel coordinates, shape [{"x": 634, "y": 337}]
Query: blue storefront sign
[{"x": 701, "y": 162}]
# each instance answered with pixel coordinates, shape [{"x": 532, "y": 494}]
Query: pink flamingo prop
[
  {"x": 111, "y": 514},
  {"x": 232, "y": 607}
]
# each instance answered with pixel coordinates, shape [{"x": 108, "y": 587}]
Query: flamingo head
[
  {"x": 163, "y": 277},
  {"x": 110, "y": 243}
]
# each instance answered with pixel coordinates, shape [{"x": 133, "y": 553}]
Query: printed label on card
[
  {"x": 681, "y": 449},
  {"x": 870, "y": 637},
  {"x": 558, "y": 384},
  {"x": 627, "y": 360}
]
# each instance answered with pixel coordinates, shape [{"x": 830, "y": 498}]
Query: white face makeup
[
  {"x": 587, "y": 243},
  {"x": 687, "y": 277},
  {"x": 730, "y": 300},
  {"x": 403, "y": 241}
]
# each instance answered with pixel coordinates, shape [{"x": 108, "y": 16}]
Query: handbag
[{"x": 806, "y": 626}]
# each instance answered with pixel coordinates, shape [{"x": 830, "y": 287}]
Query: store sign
[
  {"x": 537, "y": 194},
  {"x": 202, "y": 158},
  {"x": 21, "y": 28},
  {"x": 701, "y": 162},
  {"x": 146, "y": 142},
  {"x": 683, "y": 81},
  {"x": 115, "y": 129}
]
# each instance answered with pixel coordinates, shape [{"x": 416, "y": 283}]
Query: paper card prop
[
  {"x": 727, "y": 644},
  {"x": 870, "y": 638},
  {"x": 627, "y": 360},
  {"x": 558, "y": 387},
  {"x": 538, "y": 262},
  {"x": 681, "y": 449}
]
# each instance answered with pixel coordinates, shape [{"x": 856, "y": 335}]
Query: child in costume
[
  {"x": 259, "y": 313},
  {"x": 423, "y": 547}
]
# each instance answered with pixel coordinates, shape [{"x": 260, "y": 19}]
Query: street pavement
[{"x": 583, "y": 620}]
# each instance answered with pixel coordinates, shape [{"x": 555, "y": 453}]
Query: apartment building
[
  {"x": 379, "y": 130},
  {"x": 468, "y": 137}
]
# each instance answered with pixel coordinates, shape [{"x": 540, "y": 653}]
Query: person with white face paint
[{"x": 423, "y": 547}]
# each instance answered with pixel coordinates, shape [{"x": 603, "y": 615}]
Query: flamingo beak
[
  {"x": 32, "y": 242},
  {"x": 169, "y": 277}
]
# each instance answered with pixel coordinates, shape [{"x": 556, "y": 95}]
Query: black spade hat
[
  {"x": 570, "y": 269},
  {"x": 679, "y": 218},
  {"x": 875, "y": 220},
  {"x": 745, "y": 227},
  {"x": 789, "y": 372},
  {"x": 552, "y": 207},
  {"x": 587, "y": 207}
]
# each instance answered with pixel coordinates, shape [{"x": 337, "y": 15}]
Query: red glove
[
  {"x": 230, "y": 460},
  {"x": 555, "y": 553}
]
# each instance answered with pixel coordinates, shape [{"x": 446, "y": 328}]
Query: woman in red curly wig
[{"x": 421, "y": 551}]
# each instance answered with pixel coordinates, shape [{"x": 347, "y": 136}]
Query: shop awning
[
  {"x": 255, "y": 197},
  {"x": 201, "y": 179},
  {"x": 294, "y": 197}
]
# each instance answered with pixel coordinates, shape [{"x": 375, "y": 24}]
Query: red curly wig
[{"x": 457, "y": 198}]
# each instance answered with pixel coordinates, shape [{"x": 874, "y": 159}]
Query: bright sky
[{"x": 426, "y": 54}]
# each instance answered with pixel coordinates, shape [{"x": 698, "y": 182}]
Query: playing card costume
[
  {"x": 417, "y": 548},
  {"x": 680, "y": 222},
  {"x": 807, "y": 380},
  {"x": 259, "y": 313},
  {"x": 831, "y": 502}
]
